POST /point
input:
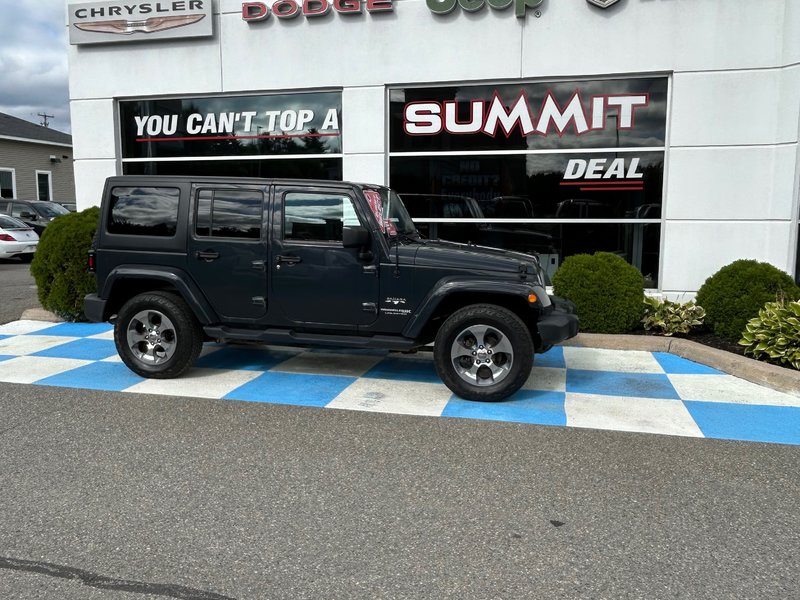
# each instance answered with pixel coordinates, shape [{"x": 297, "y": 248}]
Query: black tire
[
  {"x": 176, "y": 341},
  {"x": 492, "y": 324}
]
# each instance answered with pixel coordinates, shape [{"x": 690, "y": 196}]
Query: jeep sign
[{"x": 130, "y": 21}]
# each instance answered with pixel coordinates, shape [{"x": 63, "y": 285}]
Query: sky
[{"x": 33, "y": 61}]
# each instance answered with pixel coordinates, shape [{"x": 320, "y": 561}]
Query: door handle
[
  {"x": 207, "y": 255},
  {"x": 289, "y": 260}
]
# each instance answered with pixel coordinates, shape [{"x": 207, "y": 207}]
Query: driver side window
[{"x": 318, "y": 217}]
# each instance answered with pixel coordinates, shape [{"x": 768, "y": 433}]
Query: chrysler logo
[
  {"x": 151, "y": 25},
  {"x": 603, "y": 3}
]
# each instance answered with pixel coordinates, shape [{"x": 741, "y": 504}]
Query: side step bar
[{"x": 288, "y": 337}]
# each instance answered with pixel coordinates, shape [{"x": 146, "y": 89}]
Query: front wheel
[
  {"x": 483, "y": 352},
  {"x": 157, "y": 335}
]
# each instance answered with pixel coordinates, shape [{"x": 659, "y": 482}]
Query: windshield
[
  {"x": 50, "y": 209},
  {"x": 388, "y": 208}
]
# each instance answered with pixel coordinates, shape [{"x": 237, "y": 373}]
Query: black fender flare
[
  {"x": 176, "y": 278},
  {"x": 453, "y": 285}
]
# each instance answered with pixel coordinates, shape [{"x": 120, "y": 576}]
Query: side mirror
[
  {"x": 355, "y": 237},
  {"x": 27, "y": 216}
]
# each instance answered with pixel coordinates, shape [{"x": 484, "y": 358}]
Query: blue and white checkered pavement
[{"x": 650, "y": 392}]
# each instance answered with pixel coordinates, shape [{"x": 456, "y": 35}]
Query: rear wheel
[
  {"x": 157, "y": 335},
  {"x": 483, "y": 352}
]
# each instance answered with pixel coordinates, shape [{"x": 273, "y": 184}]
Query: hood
[{"x": 455, "y": 256}]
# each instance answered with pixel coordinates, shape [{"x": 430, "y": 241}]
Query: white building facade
[{"x": 663, "y": 131}]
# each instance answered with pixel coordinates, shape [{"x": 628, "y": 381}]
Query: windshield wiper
[{"x": 415, "y": 237}]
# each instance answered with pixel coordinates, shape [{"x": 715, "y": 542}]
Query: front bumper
[
  {"x": 94, "y": 308},
  {"x": 558, "y": 324}
]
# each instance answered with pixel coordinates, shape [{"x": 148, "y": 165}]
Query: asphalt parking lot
[{"x": 218, "y": 486}]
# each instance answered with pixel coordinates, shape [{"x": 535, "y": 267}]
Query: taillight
[
  {"x": 90, "y": 261},
  {"x": 4, "y": 237}
]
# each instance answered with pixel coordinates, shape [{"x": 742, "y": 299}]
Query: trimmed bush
[
  {"x": 607, "y": 291},
  {"x": 668, "y": 318},
  {"x": 734, "y": 294},
  {"x": 775, "y": 333},
  {"x": 59, "y": 265}
]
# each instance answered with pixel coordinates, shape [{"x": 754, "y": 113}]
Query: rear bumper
[
  {"x": 560, "y": 324},
  {"x": 94, "y": 308}
]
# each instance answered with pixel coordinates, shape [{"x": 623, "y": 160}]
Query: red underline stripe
[
  {"x": 621, "y": 182},
  {"x": 236, "y": 137},
  {"x": 610, "y": 189}
]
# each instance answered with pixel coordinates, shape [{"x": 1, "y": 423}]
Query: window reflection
[
  {"x": 300, "y": 168},
  {"x": 144, "y": 211},
  {"x": 229, "y": 213},
  {"x": 531, "y": 186},
  {"x": 317, "y": 217}
]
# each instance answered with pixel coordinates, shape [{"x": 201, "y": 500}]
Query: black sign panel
[
  {"x": 579, "y": 114},
  {"x": 280, "y": 124}
]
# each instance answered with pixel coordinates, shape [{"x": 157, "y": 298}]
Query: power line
[{"x": 45, "y": 116}]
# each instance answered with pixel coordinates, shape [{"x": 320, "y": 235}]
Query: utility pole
[{"x": 45, "y": 116}]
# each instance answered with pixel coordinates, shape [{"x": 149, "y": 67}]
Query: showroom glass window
[
  {"x": 285, "y": 135},
  {"x": 559, "y": 168}
]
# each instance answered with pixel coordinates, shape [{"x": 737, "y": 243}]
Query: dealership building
[{"x": 663, "y": 131}]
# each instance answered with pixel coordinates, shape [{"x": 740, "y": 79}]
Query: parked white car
[{"x": 17, "y": 239}]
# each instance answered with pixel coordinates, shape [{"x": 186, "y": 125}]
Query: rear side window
[
  {"x": 229, "y": 213},
  {"x": 9, "y": 223},
  {"x": 144, "y": 211}
]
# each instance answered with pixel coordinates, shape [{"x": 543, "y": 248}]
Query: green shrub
[
  {"x": 607, "y": 291},
  {"x": 735, "y": 294},
  {"x": 668, "y": 318},
  {"x": 59, "y": 265},
  {"x": 775, "y": 333}
]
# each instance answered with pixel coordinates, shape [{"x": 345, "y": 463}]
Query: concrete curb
[
  {"x": 777, "y": 378},
  {"x": 40, "y": 314}
]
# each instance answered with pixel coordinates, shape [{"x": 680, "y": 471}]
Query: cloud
[{"x": 33, "y": 61}]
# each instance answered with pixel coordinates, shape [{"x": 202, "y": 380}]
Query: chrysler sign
[{"x": 130, "y": 21}]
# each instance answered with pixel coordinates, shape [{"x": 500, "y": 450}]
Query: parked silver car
[{"x": 17, "y": 240}]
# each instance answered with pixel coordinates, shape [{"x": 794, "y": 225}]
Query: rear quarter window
[{"x": 149, "y": 211}]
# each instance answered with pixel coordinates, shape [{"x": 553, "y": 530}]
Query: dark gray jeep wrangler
[{"x": 181, "y": 260}]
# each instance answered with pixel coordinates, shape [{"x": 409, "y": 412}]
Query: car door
[
  {"x": 315, "y": 280},
  {"x": 228, "y": 250}
]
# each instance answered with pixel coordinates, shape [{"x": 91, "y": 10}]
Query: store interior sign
[
  {"x": 289, "y": 9},
  {"x": 127, "y": 21}
]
